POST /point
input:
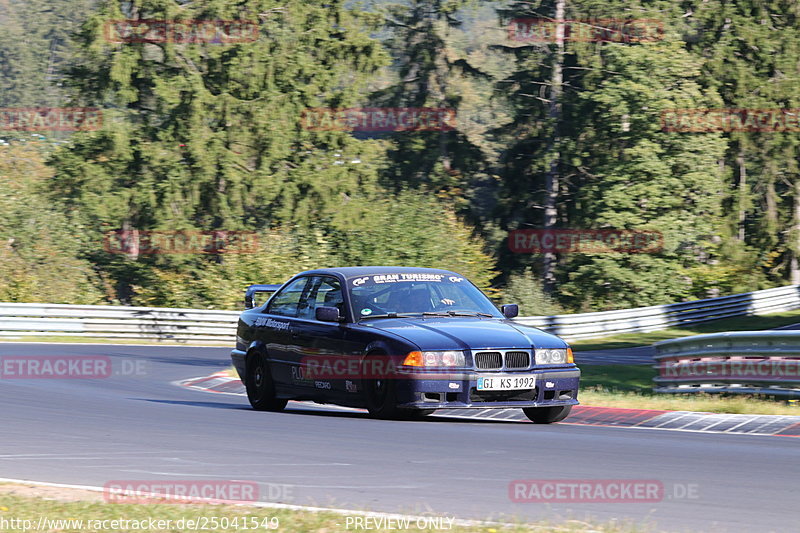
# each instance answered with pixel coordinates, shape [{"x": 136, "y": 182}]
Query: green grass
[
  {"x": 31, "y": 508},
  {"x": 739, "y": 323},
  {"x": 705, "y": 403},
  {"x": 618, "y": 377},
  {"x": 630, "y": 386}
]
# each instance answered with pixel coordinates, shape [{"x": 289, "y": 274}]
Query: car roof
[{"x": 352, "y": 272}]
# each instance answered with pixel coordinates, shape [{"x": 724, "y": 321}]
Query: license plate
[{"x": 506, "y": 382}]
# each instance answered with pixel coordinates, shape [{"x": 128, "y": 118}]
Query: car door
[
  {"x": 319, "y": 345},
  {"x": 275, "y": 330}
]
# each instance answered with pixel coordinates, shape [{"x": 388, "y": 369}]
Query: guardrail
[
  {"x": 118, "y": 322},
  {"x": 653, "y": 318},
  {"x": 219, "y": 327},
  {"x": 744, "y": 362}
]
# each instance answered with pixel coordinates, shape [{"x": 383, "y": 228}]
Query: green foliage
[
  {"x": 213, "y": 283},
  {"x": 431, "y": 71},
  {"x": 210, "y": 136},
  {"x": 413, "y": 229},
  {"x": 752, "y": 58},
  {"x": 39, "y": 247},
  {"x": 643, "y": 178},
  {"x": 374, "y": 233},
  {"x": 34, "y": 45},
  {"x": 619, "y": 170},
  {"x": 525, "y": 290}
]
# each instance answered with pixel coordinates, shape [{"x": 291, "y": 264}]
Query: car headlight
[
  {"x": 435, "y": 359},
  {"x": 553, "y": 356}
]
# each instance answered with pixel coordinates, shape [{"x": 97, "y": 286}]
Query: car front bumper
[{"x": 554, "y": 387}]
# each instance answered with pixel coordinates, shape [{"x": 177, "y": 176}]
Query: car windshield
[{"x": 405, "y": 293}]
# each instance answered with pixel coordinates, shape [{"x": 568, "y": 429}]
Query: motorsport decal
[
  {"x": 264, "y": 321},
  {"x": 379, "y": 279}
]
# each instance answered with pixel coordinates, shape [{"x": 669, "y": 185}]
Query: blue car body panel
[{"x": 290, "y": 342}]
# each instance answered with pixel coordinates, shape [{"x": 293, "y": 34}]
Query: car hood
[{"x": 466, "y": 333}]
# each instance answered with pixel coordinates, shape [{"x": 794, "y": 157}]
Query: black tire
[
  {"x": 259, "y": 384},
  {"x": 380, "y": 394},
  {"x": 547, "y": 415}
]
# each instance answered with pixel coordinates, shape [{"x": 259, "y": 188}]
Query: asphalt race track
[{"x": 143, "y": 427}]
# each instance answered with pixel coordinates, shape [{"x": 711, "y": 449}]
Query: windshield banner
[{"x": 379, "y": 279}]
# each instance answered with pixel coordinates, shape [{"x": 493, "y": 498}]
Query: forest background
[{"x": 549, "y": 133}]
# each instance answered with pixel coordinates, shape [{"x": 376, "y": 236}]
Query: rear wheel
[
  {"x": 547, "y": 415},
  {"x": 379, "y": 392},
  {"x": 259, "y": 385}
]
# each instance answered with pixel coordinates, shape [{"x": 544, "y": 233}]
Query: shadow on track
[
  {"x": 423, "y": 420},
  {"x": 323, "y": 411},
  {"x": 215, "y": 405}
]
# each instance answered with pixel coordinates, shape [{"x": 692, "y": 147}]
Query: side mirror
[
  {"x": 328, "y": 314},
  {"x": 510, "y": 310}
]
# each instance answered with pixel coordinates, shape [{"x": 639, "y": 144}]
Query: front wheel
[
  {"x": 259, "y": 385},
  {"x": 379, "y": 392},
  {"x": 547, "y": 415}
]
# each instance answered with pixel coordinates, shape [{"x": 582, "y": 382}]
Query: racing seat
[
  {"x": 418, "y": 300},
  {"x": 395, "y": 303},
  {"x": 334, "y": 299}
]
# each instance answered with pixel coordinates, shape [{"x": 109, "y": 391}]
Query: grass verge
[
  {"x": 739, "y": 323},
  {"x": 630, "y": 386},
  {"x": 97, "y": 516}
]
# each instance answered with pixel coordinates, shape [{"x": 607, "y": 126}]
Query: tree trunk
[
  {"x": 553, "y": 149},
  {"x": 771, "y": 200},
  {"x": 742, "y": 201},
  {"x": 794, "y": 237}
]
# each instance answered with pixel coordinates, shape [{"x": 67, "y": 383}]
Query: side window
[
  {"x": 330, "y": 294},
  {"x": 326, "y": 292},
  {"x": 287, "y": 301}
]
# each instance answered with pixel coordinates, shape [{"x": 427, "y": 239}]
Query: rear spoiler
[{"x": 252, "y": 290}]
